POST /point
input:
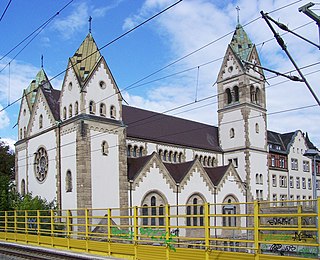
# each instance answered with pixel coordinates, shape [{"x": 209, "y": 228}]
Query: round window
[
  {"x": 41, "y": 165},
  {"x": 102, "y": 84}
]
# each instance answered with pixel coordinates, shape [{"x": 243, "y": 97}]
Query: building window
[
  {"x": 40, "y": 121},
  {"x": 76, "y": 108},
  {"x": 259, "y": 178},
  {"x": 283, "y": 181},
  {"x": 180, "y": 157},
  {"x": 102, "y": 84},
  {"x": 24, "y": 132},
  {"x": 298, "y": 182},
  {"x": 306, "y": 166},
  {"x": 113, "y": 112},
  {"x": 259, "y": 194},
  {"x": 229, "y": 210},
  {"x": 68, "y": 181},
  {"x": 294, "y": 164},
  {"x": 41, "y": 164},
  {"x": 291, "y": 182},
  {"x": 64, "y": 113},
  {"x": 153, "y": 209},
  {"x": 23, "y": 187},
  {"x": 273, "y": 161},
  {"x": 274, "y": 180},
  {"x": 105, "y": 148},
  {"x": 236, "y": 93},
  {"x": 283, "y": 197},
  {"x": 274, "y": 198},
  {"x": 135, "y": 148},
  {"x": 70, "y": 110},
  {"x": 228, "y": 96},
  {"x": 257, "y": 128},
  {"x": 231, "y": 133},
  {"x": 102, "y": 109},
  {"x": 195, "y": 207},
  {"x": 282, "y": 165},
  {"x": 21, "y": 133},
  {"x": 129, "y": 150},
  {"x": 141, "y": 151},
  {"x": 303, "y": 182},
  {"x": 309, "y": 184},
  {"x": 92, "y": 107},
  {"x": 175, "y": 157},
  {"x": 234, "y": 161},
  {"x": 258, "y": 96}
]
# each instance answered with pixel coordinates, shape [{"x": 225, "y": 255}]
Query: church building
[{"x": 84, "y": 148}]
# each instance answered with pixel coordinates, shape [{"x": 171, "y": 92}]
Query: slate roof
[
  {"x": 136, "y": 164},
  {"x": 241, "y": 44},
  {"x": 178, "y": 170},
  {"x": 148, "y": 125},
  {"x": 31, "y": 90},
  {"x": 216, "y": 173}
]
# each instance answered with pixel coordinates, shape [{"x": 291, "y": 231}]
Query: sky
[{"x": 169, "y": 62}]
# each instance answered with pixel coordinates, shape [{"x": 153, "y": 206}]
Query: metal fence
[{"x": 253, "y": 230}]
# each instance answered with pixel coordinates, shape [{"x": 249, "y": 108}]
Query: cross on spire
[
  {"x": 90, "y": 19},
  {"x": 238, "y": 14},
  {"x": 41, "y": 61}
]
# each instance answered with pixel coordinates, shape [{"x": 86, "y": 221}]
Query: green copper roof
[
  {"x": 85, "y": 58},
  {"x": 241, "y": 43},
  {"x": 31, "y": 91}
]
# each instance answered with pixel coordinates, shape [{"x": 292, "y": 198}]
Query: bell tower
[{"x": 242, "y": 113}]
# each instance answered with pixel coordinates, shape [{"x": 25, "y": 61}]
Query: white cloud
[
  {"x": 10, "y": 142},
  {"x": 192, "y": 24},
  {"x": 4, "y": 119}
]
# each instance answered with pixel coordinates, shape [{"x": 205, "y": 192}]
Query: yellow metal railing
[{"x": 253, "y": 230}]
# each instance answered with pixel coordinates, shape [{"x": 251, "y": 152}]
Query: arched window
[
  {"x": 64, "y": 113},
  {"x": 228, "y": 96},
  {"x": 129, "y": 150},
  {"x": 180, "y": 157},
  {"x": 175, "y": 157},
  {"x": 258, "y": 96},
  {"x": 232, "y": 133},
  {"x": 261, "y": 178},
  {"x": 170, "y": 156},
  {"x": 229, "y": 209},
  {"x": 40, "y": 121},
  {"x": 195, "y": 208},
  {"x": 68, "y": 181},
  {"x": 113, "y": 112},
  {"x": 24, "y": 132},
  {"x": 252, "y": 94},
  {"x": 105, "y": 148},
  {"x": 102, "y": 109},
  {"x": 257, "y": 179},
  {"x": 76, "y": 108},
  {"x": 153, "y": 207},
  {"x": 160, "y": 153},
  {"x": 21, "y": 133},
  {"x": 165, "y": 155},
  {"x": 135, "y": 149},
  {"x": 92, "y": 107},
  {"x": 236, "y": 93},
  {"x": 205, "y": 161},
  {"x": 70, "y": 110},
  {"x": 23, "y": 187},
  {"x": 257, "y": 128},
  {"x": 141, "y": 151}
]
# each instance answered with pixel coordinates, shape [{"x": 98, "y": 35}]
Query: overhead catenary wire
[
  {"x": 168, "y": 65},
  {"x": 5, "y": 10}
]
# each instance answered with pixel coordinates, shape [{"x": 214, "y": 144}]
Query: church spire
[{"x": 241, "y": 44}]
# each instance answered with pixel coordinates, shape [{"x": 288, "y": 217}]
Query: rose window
[{"x": 41, "y": 164}]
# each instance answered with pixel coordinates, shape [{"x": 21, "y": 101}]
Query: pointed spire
[
  {"x": 241, "y": 44},
  {"x": 85, "y": 58},
  {"x": 238, "y": 15}
]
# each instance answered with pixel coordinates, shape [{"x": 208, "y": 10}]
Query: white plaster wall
[
  {"x": 230, "y": 72},
  {"x": 153, "y": 181},
  {"x": 22, "y": 168},
  {"x": 257, "y": 140},
  {"x": 68, "y": 162},
  {"x": 47, "y": 189},
  {"x": 104, "y": 171},
  {"x": 258, "y": 164},
  {"x": 98, "y": 95},
  {"x": 151, "y": 147},
  {"x": 241, "y": 162},
  {"x": 70, "y": 96},
  {"x": 231, "y": 120}
]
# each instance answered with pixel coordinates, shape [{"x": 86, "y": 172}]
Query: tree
[{"x": 6, "y": 160}]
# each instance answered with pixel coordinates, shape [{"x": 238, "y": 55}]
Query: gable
[{"x": 23, "y": 118}]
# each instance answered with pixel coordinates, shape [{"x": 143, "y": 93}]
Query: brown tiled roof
[
  {"x": 178, "y": 170},
  {"x": 148, "y": 125},
  {"x": 136, "y": 164},
  {"x": 216, "y": 173}
]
